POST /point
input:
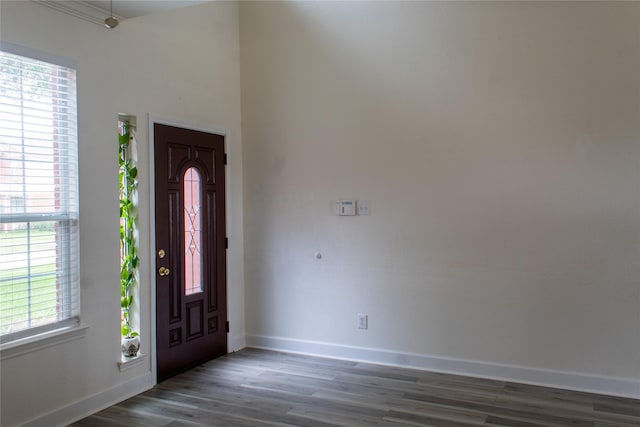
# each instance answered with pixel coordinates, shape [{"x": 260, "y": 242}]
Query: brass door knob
[{"x": 162, "y": 271}]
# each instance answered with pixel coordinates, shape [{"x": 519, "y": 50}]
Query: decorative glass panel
[{"x": 192, "y": 232}]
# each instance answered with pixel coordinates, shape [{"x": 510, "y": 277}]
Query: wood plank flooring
[{"x": 264, "y": 388}]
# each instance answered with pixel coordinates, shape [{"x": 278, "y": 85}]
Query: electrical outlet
[{"x": 363, "y": 321}]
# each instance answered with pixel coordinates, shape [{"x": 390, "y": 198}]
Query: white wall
[
  {"x": 497, "y": 143},
  {"x": 182, "y": 66},
  {"x": 499, "y": 146}
]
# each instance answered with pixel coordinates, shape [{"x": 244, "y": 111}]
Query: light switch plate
[{"x": 363, "y": 208}]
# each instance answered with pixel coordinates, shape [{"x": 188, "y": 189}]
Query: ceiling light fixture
[{"x": 111, "y": 21}]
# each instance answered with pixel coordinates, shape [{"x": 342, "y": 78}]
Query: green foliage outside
[
  {"x": 15, "y": 241},
  {"x": 128, "y": 174},
  {"x": 14, "y": 282}
]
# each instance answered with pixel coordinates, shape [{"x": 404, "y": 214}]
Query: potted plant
[{"x": 128, "y": 246}]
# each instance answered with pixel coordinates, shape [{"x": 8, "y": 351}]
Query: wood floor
[{"x": 263, "y": 388}]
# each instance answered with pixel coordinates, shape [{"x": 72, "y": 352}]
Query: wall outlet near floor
[{"x": 363, "y": 321}]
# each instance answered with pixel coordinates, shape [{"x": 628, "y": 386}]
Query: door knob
[{"x": 162, "y": 271}]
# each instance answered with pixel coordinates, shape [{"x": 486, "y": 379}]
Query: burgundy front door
[{"x": 191, "y": 292}]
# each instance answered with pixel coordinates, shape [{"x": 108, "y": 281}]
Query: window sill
[
  {"x": 38, "y": 342},
  {"x": 127, "y": 363}
]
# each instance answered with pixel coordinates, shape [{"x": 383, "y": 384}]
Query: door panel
[{"x": 190, "y": 239}]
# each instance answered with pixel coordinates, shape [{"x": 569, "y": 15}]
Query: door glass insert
[{"x": 192, "y": 232}]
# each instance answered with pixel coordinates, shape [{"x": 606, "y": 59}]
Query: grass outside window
[{"x": 36, "y": 283}]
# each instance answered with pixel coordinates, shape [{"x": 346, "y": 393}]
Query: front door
[{"x": 191, "y": 292}]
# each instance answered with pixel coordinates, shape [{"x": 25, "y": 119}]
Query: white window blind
[{"x": 39, "y": 258}]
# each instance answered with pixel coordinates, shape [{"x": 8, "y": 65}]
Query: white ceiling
[
  {"x": 95, "y": 11},
  {"x": 133, "y": 8}
]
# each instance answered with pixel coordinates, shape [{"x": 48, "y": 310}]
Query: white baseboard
[
  {"x": 94, "y": 403},
  {"x": 237, "y": 342},
  {"x": 549, "y": 378}
]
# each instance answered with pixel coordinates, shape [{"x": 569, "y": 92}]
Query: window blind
[{"x": 39, "y": 257}]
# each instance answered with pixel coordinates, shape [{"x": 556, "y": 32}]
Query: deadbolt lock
[
  {"x": 162, "y": 271},
  {"x": 161, "y": 253}
]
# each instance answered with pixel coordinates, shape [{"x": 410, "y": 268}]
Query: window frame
[{"x": 67, "y": 236}]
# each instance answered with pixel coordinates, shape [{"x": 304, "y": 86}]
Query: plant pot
[{"x": 130, "y": 346}]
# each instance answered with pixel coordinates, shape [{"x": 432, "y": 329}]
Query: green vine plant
[{"x": 128, "y": 173}]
